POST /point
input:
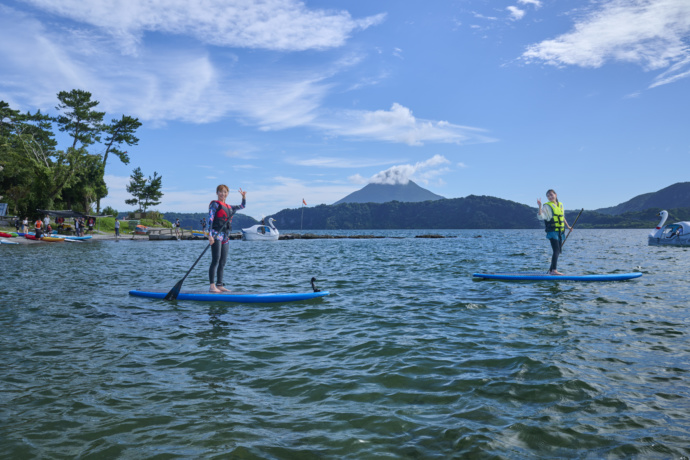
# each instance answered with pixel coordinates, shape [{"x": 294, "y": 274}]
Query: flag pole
[{"x": 301, "y": 221}]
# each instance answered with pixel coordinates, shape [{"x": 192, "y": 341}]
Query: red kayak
[
  {"x": 31, "y": 237},
  {"x": 5, "y": 235}
]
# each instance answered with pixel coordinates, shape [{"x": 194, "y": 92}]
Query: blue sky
[{"x": 312, "y": 100}]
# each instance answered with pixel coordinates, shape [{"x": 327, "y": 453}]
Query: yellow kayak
[{"x": 53, "y": 239}]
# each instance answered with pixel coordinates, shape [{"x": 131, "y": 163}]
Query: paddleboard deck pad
[
  {"x": 545, "y": 277},
  {"x": 237, "y": 297}
]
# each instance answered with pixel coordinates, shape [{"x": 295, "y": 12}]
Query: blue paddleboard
[
  {"x": 76, "y": 238},
  {"x": 544, "y": 277},
  {"x": 238, "y": 297}
]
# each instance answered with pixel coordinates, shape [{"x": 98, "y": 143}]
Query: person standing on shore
[
  {"x": 177, "y": 228},
  {"x": 25, "y": 225},
  {"x": 46, "y": 222},
  {"x": 555, "y": 224},
  {"x": 219, "y": 219},
  {"x": 117, "y": 228},
  {"x": 38, "y": 232}
]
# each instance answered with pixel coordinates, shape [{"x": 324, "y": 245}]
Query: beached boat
[
  {"x": 261, "y": 232},
  {"x": 676, "y": 234},
  {"x": 53, "y": 239}
]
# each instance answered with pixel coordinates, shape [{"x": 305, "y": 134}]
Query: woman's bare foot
[
  {"x": 214, "y": 289},
  {"x": 555, "y": 272},
  {"x": 223, "y": 289}
]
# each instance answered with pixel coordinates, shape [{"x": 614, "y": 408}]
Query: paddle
[
  {"x": 175, "y": 291},
  {"x": 571, "y": 228}
]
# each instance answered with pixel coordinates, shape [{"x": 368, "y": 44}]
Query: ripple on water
[{"x": 408, "y": 358}]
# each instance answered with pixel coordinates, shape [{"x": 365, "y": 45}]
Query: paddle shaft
[
  {"x": 571, "y": 228},
  {"x": 172, "y": 295}
]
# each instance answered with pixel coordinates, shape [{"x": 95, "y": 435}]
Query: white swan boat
[
  {"x": 677, "y": 234},
  {"x": 261, "y": 232}
]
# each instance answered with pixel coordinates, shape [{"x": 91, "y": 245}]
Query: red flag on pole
[{"x": 304, "y": 202}]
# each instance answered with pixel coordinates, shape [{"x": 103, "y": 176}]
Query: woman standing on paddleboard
[
  {"x": 554, "y": 219},
  {"x": 219, "y": 219}
]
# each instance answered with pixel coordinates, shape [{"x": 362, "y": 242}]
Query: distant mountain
[
  {"x": 473, "y": 212},
  {"x": 383, "y": 193},
  {"x": 674, "y": 196}
]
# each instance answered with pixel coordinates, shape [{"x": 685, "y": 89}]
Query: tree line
[
  {"x": 471, "y": 212},
  {"x": 36, "y": 174}
]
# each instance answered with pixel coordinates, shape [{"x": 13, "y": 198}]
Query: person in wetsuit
[
  {"x": 219, "y": 219},
  {"x": 555, "y": 224}
]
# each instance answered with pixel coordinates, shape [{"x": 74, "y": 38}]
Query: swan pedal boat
[
  {"x": 261, "y": 232},
  {"x": 676, "y": 234}
]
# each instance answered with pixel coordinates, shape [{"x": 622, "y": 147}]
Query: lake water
[{"x": 409, "y": 357}]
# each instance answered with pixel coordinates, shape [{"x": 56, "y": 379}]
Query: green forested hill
[
  {"x": 673, "y": 196},
  {"x": 472, "y": 212}
]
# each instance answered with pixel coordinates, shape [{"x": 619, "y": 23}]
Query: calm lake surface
[{"x": 409, "y": 357}]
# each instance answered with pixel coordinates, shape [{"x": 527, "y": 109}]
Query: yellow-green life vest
[{"x": 557, "y": 222}]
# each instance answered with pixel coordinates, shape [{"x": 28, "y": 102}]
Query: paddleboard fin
[{"x": 313, "y": 286}]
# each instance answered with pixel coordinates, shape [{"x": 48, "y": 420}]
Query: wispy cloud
[
  {"x": 187, "y": 83},
  {"x": 335, "y": 162},
  {"x": 262, "y": 199},
  {"x": 515, "y": 13},
  {"x": 284, "y": 25},
  {"x": 399, "y": 125},
  {"x": 423, "y": 171},
  {"x": 650, "y": 33},
  {"x": 535, "y": 3}
]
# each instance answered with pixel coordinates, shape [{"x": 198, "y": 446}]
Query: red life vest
[{"x": 223, "y": 215}]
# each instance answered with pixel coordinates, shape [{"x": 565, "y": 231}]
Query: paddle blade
[{"x": 175, "y": 291}]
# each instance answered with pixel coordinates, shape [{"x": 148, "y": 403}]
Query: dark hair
[{"x": 554, "y": 192}]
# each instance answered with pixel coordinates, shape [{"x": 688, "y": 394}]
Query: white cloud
[
  {"x": 650, "y": 33},
  {"x": 535, "y": 3},
  {"x": 422, "y": 171},
  {"x": 285, "y": 25},
  {"x": 399, "y": 125},
  {"x": 262, "y": 200},
  {"x": 186, "y": 83},
  {"x": 335, "y": 162},
  {"x": 358, "y": 179},
  {"x": 516, "y": 13}
]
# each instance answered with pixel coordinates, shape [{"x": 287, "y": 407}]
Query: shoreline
[{"x": 233, "y": 236}]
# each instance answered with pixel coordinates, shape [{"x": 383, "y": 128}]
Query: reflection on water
[{"x": 409, "y": 357}]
